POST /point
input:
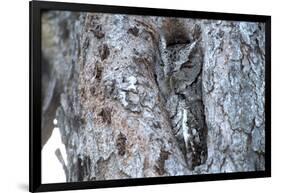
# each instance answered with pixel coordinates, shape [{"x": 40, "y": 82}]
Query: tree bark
[
  {"x": 142, "y": 96},
  {"x": 233, "y": 95}
]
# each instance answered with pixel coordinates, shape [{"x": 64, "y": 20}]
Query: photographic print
[
  {"x": 126, "y": 96},
  {"x": 131, "y": 96}
]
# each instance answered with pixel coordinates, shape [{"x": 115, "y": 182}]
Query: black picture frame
[{"x": 36, "y": 8}]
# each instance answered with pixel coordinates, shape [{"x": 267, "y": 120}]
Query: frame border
[{"x": 35, "y": 10}]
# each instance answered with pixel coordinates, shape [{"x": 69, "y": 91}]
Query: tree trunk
[{"x": 152, "y": 96}]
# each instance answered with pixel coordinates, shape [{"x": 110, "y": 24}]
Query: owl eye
[{"x": 187, "y": 65}]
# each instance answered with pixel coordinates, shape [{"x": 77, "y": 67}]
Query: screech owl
[{"x": 182, "y": 64}]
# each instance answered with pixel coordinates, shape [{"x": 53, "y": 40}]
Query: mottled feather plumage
[{"x": 174, "y": 56}]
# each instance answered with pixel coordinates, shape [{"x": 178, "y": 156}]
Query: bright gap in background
[{"x": 52, "y": 169}]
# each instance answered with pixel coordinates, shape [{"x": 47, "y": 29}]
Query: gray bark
[
  {"x": 233, "y": 95},
  {"x": 150, "y": 96}
]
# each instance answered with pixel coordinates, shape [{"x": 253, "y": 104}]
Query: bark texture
[{"x": 152, "y": 96}]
